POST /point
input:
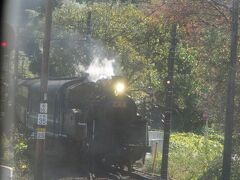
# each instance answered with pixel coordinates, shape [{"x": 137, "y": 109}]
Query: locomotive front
[{"x": 119, "y": 136}]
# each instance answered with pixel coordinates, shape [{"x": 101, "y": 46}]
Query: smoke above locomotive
[{"x": 100, "y": 69}]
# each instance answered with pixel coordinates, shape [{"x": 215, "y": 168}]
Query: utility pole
[
  {"x": 89, "y": 33},
  {"x": 227, "y": 152},
  {"x": 169, "y": 93},
  {"x": 43, "y": 109}
]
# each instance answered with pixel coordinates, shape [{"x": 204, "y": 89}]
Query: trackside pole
[
  {"x": 169, "y": 97},
  {"x": 43, "y": 107},
  {"x": 227, "y": 152}
]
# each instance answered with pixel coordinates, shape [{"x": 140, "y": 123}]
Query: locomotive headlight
[{"x": 119, "y": 88}]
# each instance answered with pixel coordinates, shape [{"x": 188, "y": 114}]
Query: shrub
[
  {"x": 191, "y": 155},
  {"x": 14, "y": 153},
  {"x": 21, "y": 156}
]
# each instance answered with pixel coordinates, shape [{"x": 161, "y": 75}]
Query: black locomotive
[{"x": 98, "y": 118}]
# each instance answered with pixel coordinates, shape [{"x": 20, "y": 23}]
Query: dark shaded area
[
  {"x": 2, "y": 4},
  {"x": 187, "y": 120},
  {"x": 7, "y": 40}
]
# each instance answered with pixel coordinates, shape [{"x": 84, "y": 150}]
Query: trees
[
  {"x": 122, "y": 38},
  {"x": 136, "y": 35}
]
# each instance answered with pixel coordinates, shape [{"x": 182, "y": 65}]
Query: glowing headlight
[{"x": 119, "y": 88}]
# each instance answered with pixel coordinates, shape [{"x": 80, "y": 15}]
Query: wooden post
[
  {"x": 154, "y": 158},
  {"x": 227, "y": 152},
  {"x": 42, "y": 116}
]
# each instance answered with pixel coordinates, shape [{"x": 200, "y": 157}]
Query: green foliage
[
  {"x": 235, "y": 174},
  {"x": 215, "y": 168},
  {"x": 212, "y": 71},
  {"x": 191, "y": 155},
  {"x": 14, "y": 153},
  {"x": 187, "y": 90},
  {"x": 22, "y": 163},
  {"x": 139, "y": 42},
  {"x": 24, "y": 66}
]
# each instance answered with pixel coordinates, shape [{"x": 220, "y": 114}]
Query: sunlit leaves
[
  {"x": 194, "y": 153},
  {"x": 191, "y": 155},
  {"x": 71, "y": 16}
]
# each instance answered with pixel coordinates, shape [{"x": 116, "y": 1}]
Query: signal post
[
  {"x": 43, "y": 107},
  {"x": 169, "y": 99}
]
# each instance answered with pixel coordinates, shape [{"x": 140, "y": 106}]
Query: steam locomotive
[{"x": 98, "y": 118}]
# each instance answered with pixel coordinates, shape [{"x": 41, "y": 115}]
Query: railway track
[
  {"x": 73, "y": 170},
  {"x": 143, "y": 175},
  {"x": 118, "y": 174},
  {"x": 115, "y": 174}
]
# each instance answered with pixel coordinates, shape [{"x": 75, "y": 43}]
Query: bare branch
[
  {"x": 216, "y": 7},
  {"x": 218, "y": 3}
]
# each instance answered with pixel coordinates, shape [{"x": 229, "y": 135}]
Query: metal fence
[{"x": 156, "y": 140}]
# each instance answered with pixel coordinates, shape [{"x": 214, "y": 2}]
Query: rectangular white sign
[
  {"x": 42, "y": 119},
  {"x": 43, "y": 107},
  {"x": 40, "y": 135}
]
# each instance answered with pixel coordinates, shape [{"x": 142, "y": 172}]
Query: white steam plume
[{"x": 100, "y": 69}]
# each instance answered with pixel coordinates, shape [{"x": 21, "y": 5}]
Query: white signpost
[
  {"x": 43, "y": 107},
  {"x": 41, "y": 135},
  {"x": 42, "y": 119}
]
